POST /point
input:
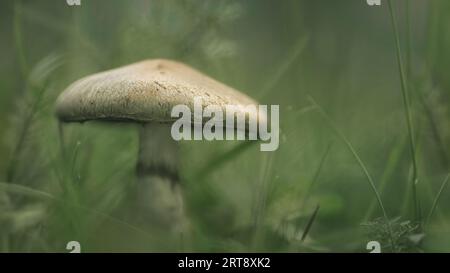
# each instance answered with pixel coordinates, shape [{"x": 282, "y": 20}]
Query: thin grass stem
[
  {"x": 310, "y": 223},
  {"x": 438, "y": 196},
  {"x": 284, "y": 67},
  {"x": 361, "y": 164},
  {"x": 407, "y": 110}
]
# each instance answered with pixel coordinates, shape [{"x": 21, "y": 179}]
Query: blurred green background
[{"x": 332, "y": 66}]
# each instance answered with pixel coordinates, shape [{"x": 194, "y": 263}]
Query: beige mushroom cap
[{"x": 145, "y": 92}]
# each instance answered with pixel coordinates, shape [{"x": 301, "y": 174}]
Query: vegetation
[{"x": 364, "y": 99}]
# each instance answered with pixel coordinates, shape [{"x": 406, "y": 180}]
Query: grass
[
  {"x": 407, "y": 108},
  {"x": 75, "y": 182},
  {"x": 283, "y": 68},
  {"x": 18, "y": 39},
  {"x": 315, "y": 178},
  {"x": 363, "y": 168},
  {"x": 438, "y": 196},
  {"x": 32, "y": 193},
  {"x": 391, "y": 166},
  {"x": 309, "y": 224}
]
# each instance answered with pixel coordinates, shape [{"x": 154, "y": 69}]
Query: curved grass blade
[
  {"x": 30, "y": 192},
  {"x": 310, "y": 222},
  {"x": 407, "y": 108},
  {"x": 438, "y": 196},
  {"x": 392, "y": 165},
  {"x": 315, "y": 177},
  {"x": 284, "y": 67},
  {"x": 361, "y": 164},
  {"x": 220, "y": 160}
]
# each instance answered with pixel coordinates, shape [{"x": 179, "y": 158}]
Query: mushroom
[{"x": 145, "y": 93}]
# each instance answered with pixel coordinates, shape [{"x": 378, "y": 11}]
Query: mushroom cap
[{"x": 146, "y": 92}]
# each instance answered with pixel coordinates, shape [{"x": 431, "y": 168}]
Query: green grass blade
[
  {"x": 18, "y": 39},
  {"x": 283, "y": 68},
  {"x": 392, "y": 165},
  {"x": 407, "y": 108},
  {"x": 438, "y": 196},
  {"x": 310, "y": 222},
  {"x": 361, "y": 164},
  {"x": 315, "y": 177},
  {"x": 220, "y": 160},
  {"x": 27, "y": 191},
  {"x": 30, "y": 192}
]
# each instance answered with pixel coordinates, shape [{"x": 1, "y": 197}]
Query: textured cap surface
[{"x": 144, "y": 92}]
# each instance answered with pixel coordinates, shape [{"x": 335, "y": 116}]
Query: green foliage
[
  {"x": 406, "y": 235},
  {"x": 386, "y": 102}
]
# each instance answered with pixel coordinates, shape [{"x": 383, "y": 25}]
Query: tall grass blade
[
  {"x": 220, "y": 160},
  {"x": 361, "y": 164},
  {"x": 283, "y": 68},
  {"x": 27, "y": 191},
  {"x": 438, "y": 196},
  {"x": 407, "y": 108},
  {"x": 30, "y": 192},
  {"x": 392, "y": 165},
  {"x": 315, "y": 178},
  {"x": 38, "y": 82},
  {"x": 310, "y": 223},
  {"x": 18, "y": 39}
]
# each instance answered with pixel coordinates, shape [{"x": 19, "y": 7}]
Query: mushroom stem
[{"x": 158, "y": 191}]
